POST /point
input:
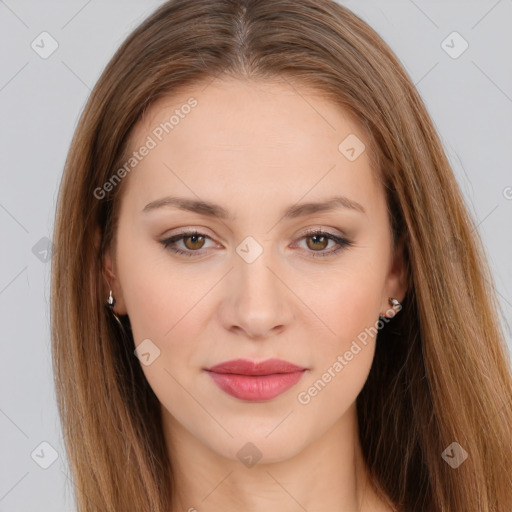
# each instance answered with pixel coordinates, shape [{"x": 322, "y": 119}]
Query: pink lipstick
[{"x": 255, "y": 381}]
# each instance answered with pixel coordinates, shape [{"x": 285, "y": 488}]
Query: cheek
[
  {"x": 165, "y": 306},
  {"x": 156, "y": 297},
  {"x": 343, "y": 359},
  {"x": 344, "y": 354},
  {"x": 347, "y": 303},
  {"x": 332, "y": 389}
]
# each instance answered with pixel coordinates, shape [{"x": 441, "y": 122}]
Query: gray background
[{"x": 469, "y": 99}]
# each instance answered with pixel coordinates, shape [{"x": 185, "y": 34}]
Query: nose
[{"x": 257, "y": 302}]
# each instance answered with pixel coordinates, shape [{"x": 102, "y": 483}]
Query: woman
[{"x": 268, "y": 293}]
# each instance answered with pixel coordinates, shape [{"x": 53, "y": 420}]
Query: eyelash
[{"x": 343, "y": 243}]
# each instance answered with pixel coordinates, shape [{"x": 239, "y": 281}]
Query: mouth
[{"x": 255, "y": 381}]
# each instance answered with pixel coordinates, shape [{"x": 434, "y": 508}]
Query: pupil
[
  {"x": 317, "y": 239},
  {"x": 193, "y": 240}
]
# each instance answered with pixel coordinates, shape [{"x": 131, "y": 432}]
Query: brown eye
[
  {"x": 319, "y": 242},
  {"x": 316, "y": 242},
  {"x": 192, "y": 243},
  {"x": 196, "y": 242}
]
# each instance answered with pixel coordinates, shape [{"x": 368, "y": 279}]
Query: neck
[{"x": 327, "y": 474}]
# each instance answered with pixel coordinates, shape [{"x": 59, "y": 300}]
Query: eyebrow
[{"x": 215, "y": 210}]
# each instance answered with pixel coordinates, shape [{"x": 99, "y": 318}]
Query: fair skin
[{"x": 255, "y": 149}]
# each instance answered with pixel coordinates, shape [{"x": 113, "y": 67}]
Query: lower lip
[{"x": 255, "y": 388}]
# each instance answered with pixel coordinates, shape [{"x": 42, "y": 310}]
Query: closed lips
[
  {"x": 252, "y": 381},
  {"x": 248, "y": 367}
]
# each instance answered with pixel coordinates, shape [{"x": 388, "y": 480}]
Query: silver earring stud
[
  {"x": 395, "y": 305},
  {"x": 111, "y": 301},
  {"x": 110, "y": 304}
]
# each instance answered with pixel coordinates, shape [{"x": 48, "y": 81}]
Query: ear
[
  {"x": 110, "y": 277},
  {"x": 396, "y": 281}
]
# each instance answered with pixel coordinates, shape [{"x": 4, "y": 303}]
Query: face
[{"x": 254, "y": 274}]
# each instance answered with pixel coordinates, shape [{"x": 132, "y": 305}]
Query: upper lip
[{"x": 247, "y": 367}]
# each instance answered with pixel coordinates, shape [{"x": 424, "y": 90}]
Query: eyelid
[{"x": 323, "y": 229}]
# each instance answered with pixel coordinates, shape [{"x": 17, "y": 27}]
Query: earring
[
  {"x": 395, "y": 305},
  {"x": 111, "y": 301},
  {"x": 110, "y": 304}
]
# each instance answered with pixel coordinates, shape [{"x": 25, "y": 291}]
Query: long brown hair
[{"x": 441, "y": 372}]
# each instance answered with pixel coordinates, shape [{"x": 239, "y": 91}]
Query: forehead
[
  {"x": 249, "y": 134},
  {"x": 244, "y": 109}
]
